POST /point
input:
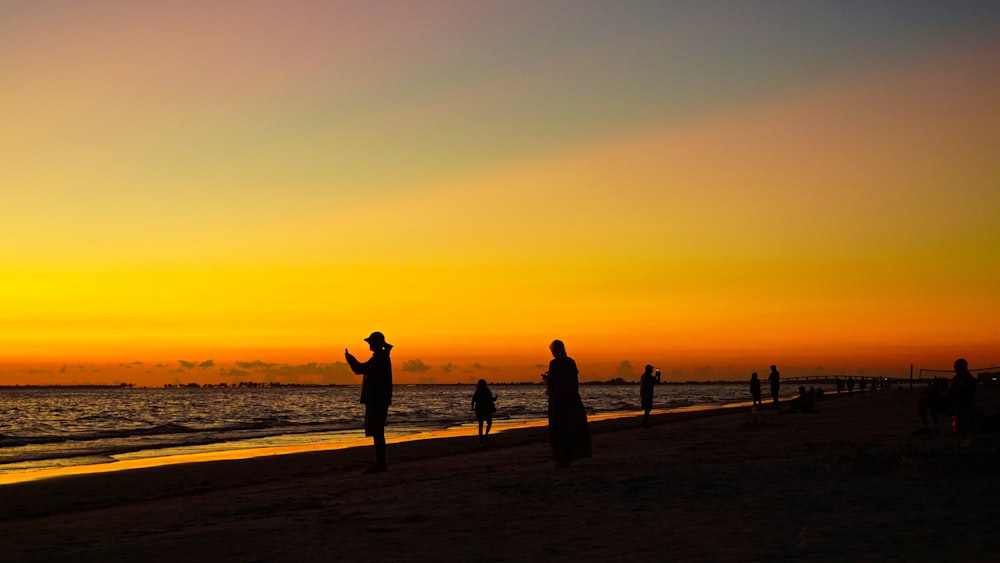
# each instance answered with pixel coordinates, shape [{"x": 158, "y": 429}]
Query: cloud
[
  {"x": 192, "y": 365},
  {"x": 448, "y": 367},
  {"x": 335, "y": 373},
  {"x": 415, "y": 366},
  {"x": 256, "y": 364},
  {"x": 624, "y": 370},
  {"x": 477, "y": 367}
]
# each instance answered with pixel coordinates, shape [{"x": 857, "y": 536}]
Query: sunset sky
[{"x": 710, "y": 187}]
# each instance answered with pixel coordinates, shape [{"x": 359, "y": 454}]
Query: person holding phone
[{"x": 376, "y": 393}]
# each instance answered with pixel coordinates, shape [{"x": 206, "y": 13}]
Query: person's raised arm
[{"x": 357, "y": 367}]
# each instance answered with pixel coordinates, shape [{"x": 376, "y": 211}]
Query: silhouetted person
[
  {"x": 646, "y": 383},
  {"x": 774, "y": 378},
  {"x": 568, "y": 432},
  {"x": 484, "y": 403},
  {"x": 863, "y": 383},
  {"x": 850, "y": 384},
  {"x": 376, "y": 393},
  {"x": 755, "y": 390},
  {"x": 955, "y": 398},
  {"x": 802, "y": 403},
  {"x": 840, "y": 385}
]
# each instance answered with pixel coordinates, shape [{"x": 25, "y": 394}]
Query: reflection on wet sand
[{"x": 125, "y": 462}]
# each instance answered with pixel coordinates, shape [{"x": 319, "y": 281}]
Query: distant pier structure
[{"x": 986, "y": 376}]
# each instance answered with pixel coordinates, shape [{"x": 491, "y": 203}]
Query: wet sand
[{"x": 847, "y": 482}]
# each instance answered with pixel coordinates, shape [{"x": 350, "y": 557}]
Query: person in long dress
[{"x": 569, "y": 435}]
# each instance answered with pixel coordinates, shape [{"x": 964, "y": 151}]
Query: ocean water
[{"x": 57, "y": 427}]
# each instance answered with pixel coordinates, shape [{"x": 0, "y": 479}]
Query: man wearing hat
[{"x": 376, "y": 393}]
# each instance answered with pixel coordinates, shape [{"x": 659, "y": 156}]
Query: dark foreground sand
[{"x": 848, "y": 482}]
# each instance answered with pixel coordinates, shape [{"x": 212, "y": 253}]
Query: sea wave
[{"x": 51, "y": 426}]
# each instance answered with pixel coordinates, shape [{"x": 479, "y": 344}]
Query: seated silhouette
[{"x": 955, "y": 398}]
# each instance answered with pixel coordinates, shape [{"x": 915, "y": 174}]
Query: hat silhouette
[{"x": 376, "y": 338}]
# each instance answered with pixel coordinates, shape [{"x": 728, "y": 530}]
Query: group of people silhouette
[
  {"x": 774, "y": 379},
  {"x": 955, "y": 398},
  {"x": 569, "y": 435}
]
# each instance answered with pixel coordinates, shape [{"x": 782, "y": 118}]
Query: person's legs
[
  {"x": 923, "y": 411},
  {"x": 375, "y": 418},
  {"x": 930, "y": 407},
  {"x": 489, "y": 426},
  {"x": 380, "y": 464}
]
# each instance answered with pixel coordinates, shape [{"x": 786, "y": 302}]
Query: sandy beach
[{"x": 846, "y": 482}]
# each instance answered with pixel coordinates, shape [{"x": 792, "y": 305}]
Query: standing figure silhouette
[
  {"x": 774, "y": 378},
  {"x": 376, "y": 393},
  {"x": 955, "y": 398},
  {"x": 646, "y": 384},
  {"x": 484, "y": 403},
  {"x": 755, "y": 390},
  {"x": 569, "y": 435}
]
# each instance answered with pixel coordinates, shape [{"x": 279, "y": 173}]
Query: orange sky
[{"x": 698, "y": 188}]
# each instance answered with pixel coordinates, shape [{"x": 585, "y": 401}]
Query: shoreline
[
  {"x": 127, "y": 461},
  {"x": 268, "y": 461}
]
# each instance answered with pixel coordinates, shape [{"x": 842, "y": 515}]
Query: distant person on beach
[
  {"x": 802, "y": 403},
  {"x": 376, "y": 393},
  {"x": 569, "y": 435},
  {"x": 646, "y": 383},
  {"x": 755, "y": 390},
  {"x": 484, "y": 403},
  {"x": 850, "y": 384},
  {"x": 954, "y": 398},
  {"x": 774, "y": 378}
]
